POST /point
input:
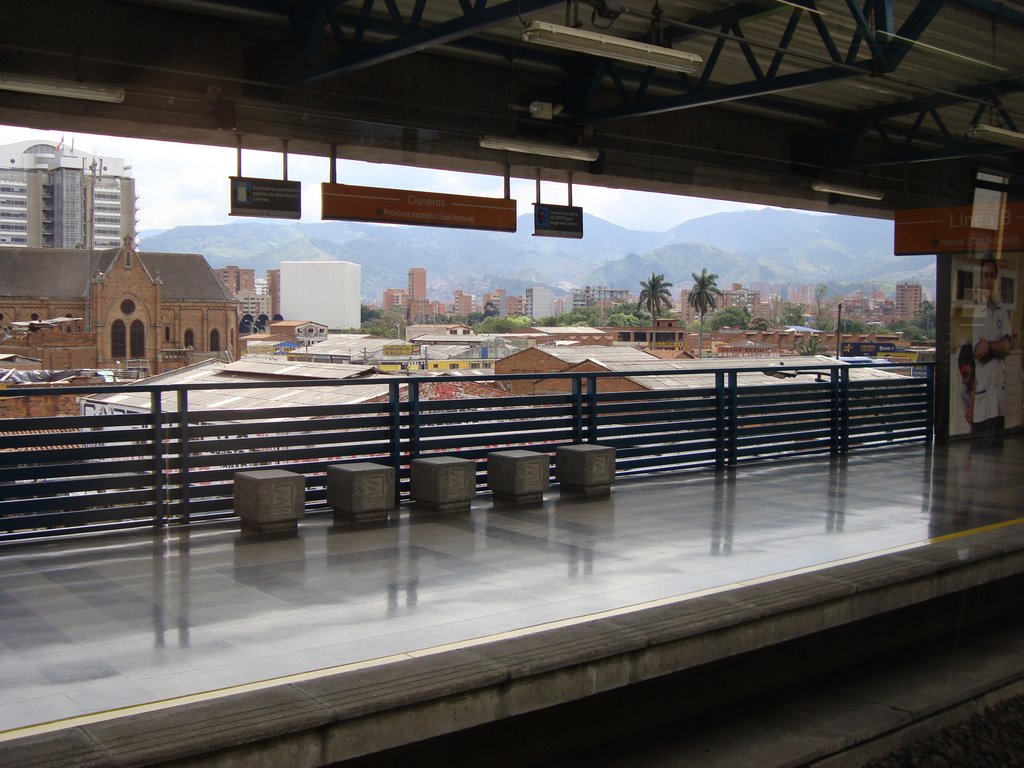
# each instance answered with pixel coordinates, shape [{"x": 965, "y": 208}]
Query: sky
[{"x": 186, "y": 185}]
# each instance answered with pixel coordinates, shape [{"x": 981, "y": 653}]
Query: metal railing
[{"x": 176, "y": 464}]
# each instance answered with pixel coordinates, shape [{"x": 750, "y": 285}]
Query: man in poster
[{"x": 992, "y": 336}]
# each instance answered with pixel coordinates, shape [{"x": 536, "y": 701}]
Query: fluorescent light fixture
[
  {"x": 546, "y": 148},
  {"x": 618, "y": 48},
  {"x": 841, "y": 189},
  {"x": 997, "y": 135},
  {"x": 69, "y": 89}
]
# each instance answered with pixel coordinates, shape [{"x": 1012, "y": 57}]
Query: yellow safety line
[{"x": 973, "y": 531}]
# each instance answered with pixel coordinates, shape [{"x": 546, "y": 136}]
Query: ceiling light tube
[
  {"x": 546, "y": 148},
  {"x": 69, "y": 89},
  {"x": 841, "y": 189},
  {"x": 997, "y": 135},
  {"x": 618, "y": 48}
]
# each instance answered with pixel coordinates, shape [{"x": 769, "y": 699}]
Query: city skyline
[{"x": 182, "y": 184}]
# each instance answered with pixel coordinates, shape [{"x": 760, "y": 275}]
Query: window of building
[
  {"x": 138, "y": 339},
  {"x": 117, "y": 340},
  {"x": 215, "y": 340},
  {"x": 127, "y": 306},
  {"x": 34, "y": 316},
  {"x": 190, "y": 339},
  {"x": 167, "y": 333}
]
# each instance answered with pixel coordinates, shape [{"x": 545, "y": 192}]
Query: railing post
[
  {"x": 720, "y": 422},
  {"x": 158, "y": 457},
  {"x": 733, "y": 418},
  {"x": 414, "y": 418},
  {"x": 929, "y": 408},
  {"x": 184, "y": 480},
  {"x": 591, "y": 409},
  {"x": 395, "y": 417},
  {"x": 844, "y": 413},
  {"x": 577, "y": 410}
]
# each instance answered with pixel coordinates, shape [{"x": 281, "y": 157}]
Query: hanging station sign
[
  {"x": 959, "y": 229},
  {"x": 346, "y": 202},
  {"x": 266, "y": 198},
  {"x": 557, "y": 220}
]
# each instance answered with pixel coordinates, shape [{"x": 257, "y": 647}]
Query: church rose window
[{"x": 127, "y": 306}]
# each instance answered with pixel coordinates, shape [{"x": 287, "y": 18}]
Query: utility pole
[{"x": 839, "y": 330}]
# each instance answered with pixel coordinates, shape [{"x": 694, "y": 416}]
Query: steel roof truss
[
  {"x": 702, "y": 93},
  {"x": 411, "y": 36}
]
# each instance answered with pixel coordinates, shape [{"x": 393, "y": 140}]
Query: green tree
[
  {"x": 503, "y": 324},
  {"x": 811, "y": 345},
  {"x": 854, "y": 326},
  {"x": 730, "y": 317},
  {"x": 654, "y": 297},
  {"x": 625, "y": 319},
  {"x": 793, "y": 314},
  {"x": 760, "y": 324},
  {"x": 703, "y": 297},
  {"x": 925, "y": 318},
  {"x": 388, "y": 325}
]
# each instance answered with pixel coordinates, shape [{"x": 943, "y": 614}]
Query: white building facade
[
  {"x": 53, "y": 196},
  {"x": 326, "y": 292},
  {"x": 539, "y": 302}
]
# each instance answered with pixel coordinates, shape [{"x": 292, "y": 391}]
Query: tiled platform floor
[{"x": 98, "y": 623}]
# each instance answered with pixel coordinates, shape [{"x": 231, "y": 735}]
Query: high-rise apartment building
[
  {"x": 395, "y": 298},
  {"x": 53, "y": 196},
  {"x": 598, "y": 295},
  {"x": 238, "y": 279},
  {"x": 464, "y": 303},
  {"x": 908, "y": 300},
  {"x": 274, "y": 289},
  {"x": 417, "y": 283},
  {"x": 744, "y": 298}
]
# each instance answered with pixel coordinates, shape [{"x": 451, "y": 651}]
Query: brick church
[{"x": 120, "y": 309}]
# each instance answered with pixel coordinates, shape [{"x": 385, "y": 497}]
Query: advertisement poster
[
  {"x": 985, "y": 359},
  {"x": 985, "y": 244}
]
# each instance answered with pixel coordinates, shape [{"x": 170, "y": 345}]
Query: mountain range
[{"x": 769, "y": 245}]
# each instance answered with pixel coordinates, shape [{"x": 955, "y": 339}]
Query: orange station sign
[
  {"x": 959, "y": 229},
  {"x": 346, "y": 202}
]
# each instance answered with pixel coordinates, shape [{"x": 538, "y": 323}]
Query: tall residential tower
[{"x": 53, "y": 196}]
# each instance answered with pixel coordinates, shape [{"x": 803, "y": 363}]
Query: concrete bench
[
  {"x": 519, "y": 476},
  {"x": 443, "y": 483},
  {"x": 361, "y": 491},
  {"x": 269, "y": 500},
  {"x": 585, "y": 468}
]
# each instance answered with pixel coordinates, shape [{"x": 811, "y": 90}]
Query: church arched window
[
  {"x": 117, "y": 340},
  {"x": 138, "y": 339}
]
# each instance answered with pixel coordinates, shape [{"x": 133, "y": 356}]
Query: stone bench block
[
  {"x": 519, "y": 476},
  {"x": 270, "y": 500},
  {"x": 361, "y": 491},
  {"x": 443, "y": 483},
  {"x": 585, "y": 468}
]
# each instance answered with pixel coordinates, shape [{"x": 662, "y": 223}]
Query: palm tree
[
  {"x": 703, "y": 297},
  {"x": 655, "y": 298},
  {"x": 811, "y": 345}
]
